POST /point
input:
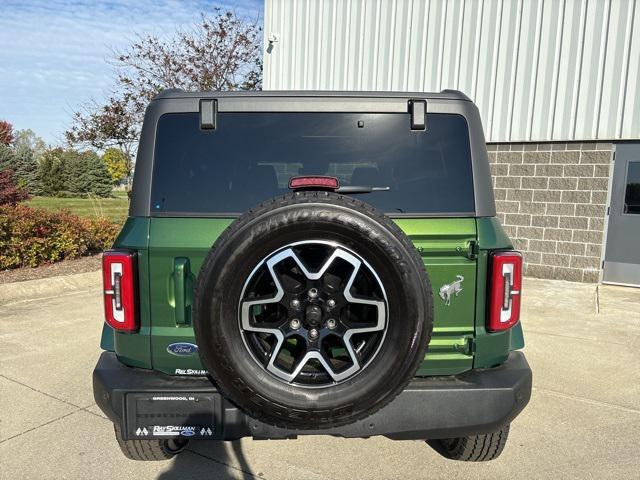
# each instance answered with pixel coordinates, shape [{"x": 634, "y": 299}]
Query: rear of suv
[{"x": 301, "y": 263}]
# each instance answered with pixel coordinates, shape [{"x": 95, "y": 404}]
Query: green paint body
[{"x": 171, "y": 252}]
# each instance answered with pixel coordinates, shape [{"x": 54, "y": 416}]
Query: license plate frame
[{"x": 165, "y": 415}]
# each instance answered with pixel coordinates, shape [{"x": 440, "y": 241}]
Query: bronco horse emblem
[{"x": 453, "y": 288}]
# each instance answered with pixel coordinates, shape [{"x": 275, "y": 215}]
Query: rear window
[{"x": 250, "y": 157}]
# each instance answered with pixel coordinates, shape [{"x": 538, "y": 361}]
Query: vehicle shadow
[{"x": 210, "y": 459}]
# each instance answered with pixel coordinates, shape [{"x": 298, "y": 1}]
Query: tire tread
[
  {"x": 474, "y": 448},
  {"x": 143, "y": 450}
]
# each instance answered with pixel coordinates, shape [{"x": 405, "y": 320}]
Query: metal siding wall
[
  {"x": 538, "y": 70},
  {"x": 629, "y": 121}
]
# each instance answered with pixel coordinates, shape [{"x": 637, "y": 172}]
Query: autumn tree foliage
[
  {"x": 6, "y": 133},
  {"x": 10, "y": 192},
  {"x": 118, "y": 164},
  {"x": 221, "y": 52}
]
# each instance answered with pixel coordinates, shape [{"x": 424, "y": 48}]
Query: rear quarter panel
[
  {"x": 491, "y": 348},
  {"x": 134, "y": 348}
]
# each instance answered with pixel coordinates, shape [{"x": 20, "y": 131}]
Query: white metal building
[
  {"x": 546, "y": 75},
  {"x": 538, "y": 70}
]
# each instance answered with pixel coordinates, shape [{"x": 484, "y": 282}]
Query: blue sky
[{"x": 53, "y": 53}]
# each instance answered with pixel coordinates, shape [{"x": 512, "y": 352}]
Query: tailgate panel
[{"x": 442, "y": 242}]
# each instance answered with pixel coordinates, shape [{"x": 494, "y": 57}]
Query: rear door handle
[{"x": 181, "y": 290}]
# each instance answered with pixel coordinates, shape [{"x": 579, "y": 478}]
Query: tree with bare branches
[{"x": 221, "y": 52}]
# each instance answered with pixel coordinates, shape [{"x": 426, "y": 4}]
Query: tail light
[
  {"x": 118, "y": 275},
  {"x": 505, "y": 290}
]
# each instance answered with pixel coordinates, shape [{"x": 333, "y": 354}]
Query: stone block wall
[{"x": 551, "y": 199}]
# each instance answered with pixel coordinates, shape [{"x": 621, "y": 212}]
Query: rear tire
[
  {"x": 474, "y": 448},
  {"x": 149, "y": 450}
]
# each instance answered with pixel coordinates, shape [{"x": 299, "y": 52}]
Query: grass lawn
[{"x": 114, "y": 208}]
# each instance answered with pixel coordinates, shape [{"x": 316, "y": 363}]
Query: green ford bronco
[{"x": 306, "y": 263}]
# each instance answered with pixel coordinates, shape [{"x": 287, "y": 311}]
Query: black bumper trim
[{"x": 478, "y": 401}]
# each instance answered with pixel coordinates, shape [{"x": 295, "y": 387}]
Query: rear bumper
[{"x": 478, "y": 401}]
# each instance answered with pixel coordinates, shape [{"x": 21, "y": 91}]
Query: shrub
[
  {"x": 32, "y": 236},
  {"x": 10, "y": 192}
]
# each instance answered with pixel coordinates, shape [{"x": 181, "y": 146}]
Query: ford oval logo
[
  {"x": 182, "y": 348},
  {"x": 187, "y": 433}
]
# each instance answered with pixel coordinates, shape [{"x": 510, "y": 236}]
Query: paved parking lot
[{"x": 583, "y": 420}]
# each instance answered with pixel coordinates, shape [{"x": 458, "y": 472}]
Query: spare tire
[{"x": 312, "y": 310}]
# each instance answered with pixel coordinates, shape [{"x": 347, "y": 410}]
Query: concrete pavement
[{"x": 583, "y": 420}]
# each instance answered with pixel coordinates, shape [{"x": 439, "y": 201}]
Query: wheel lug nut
[
  {"x": 294, "y": 324},
  {"x": 313, "y": 293},
  {"x": 313, "y": 334},
  {"x": 295, "y": 303},
  {"x": 331, "y": 323},
  {"x": 331, "y": 303}
]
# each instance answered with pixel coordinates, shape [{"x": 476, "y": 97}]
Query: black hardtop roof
[{"x": 443, "y": 95}]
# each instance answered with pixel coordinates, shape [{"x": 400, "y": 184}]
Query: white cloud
[{"x": 54, "y": 54}]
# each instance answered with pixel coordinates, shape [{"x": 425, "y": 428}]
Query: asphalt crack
[
  {"x": 77, "y": 408},
  {"x": 40, "y": 426},
  {"x": 589, "y": 401},
  {"x": 572, "y": 337},
  {"x": 49, "y": 297},
  {"x": 45, "y": 393}
]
